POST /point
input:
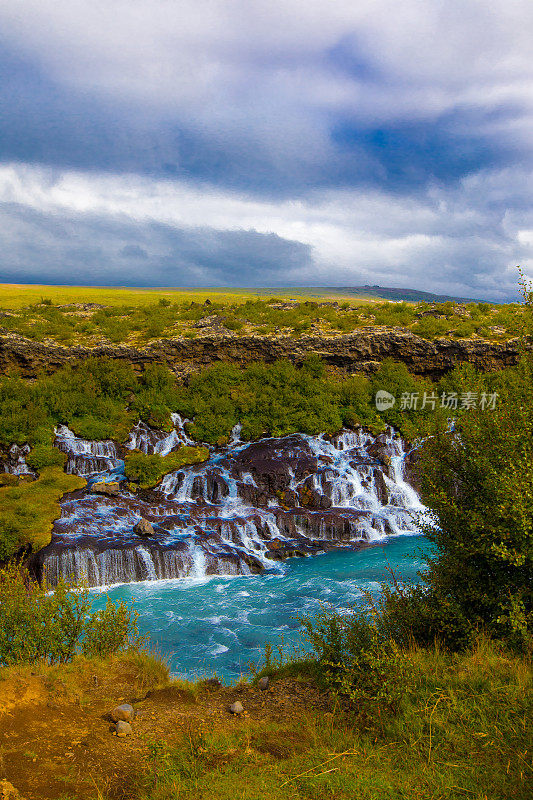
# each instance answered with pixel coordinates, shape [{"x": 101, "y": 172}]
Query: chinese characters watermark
[{"x": 418, "y": 401}]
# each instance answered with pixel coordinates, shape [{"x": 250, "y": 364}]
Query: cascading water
[
  {"x": 148, "y": 440},
  {"x": 247, "y": 507},
  {"x": 85, "y": 457},
  {"x": 15, "y": 463}
]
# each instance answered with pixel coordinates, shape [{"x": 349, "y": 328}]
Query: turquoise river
[{"x": 222, "y": 624}]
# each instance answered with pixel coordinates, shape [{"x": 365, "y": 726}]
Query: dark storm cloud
[
  {"x": 97, "y": 251},
  {"x": 343, "y": 116}
]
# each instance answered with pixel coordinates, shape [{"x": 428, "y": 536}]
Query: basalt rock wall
[{"x": 357, "y": 352}]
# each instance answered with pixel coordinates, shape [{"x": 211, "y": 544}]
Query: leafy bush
[
  {"x": 36, "y": 624},
  {"x": 44, "y": 455},
  {"x": 111, "y": 630},
  {"x": 477, "y": 481},
  {"x": 268, "y": 399},
  {"x": 358, "y": 662}
]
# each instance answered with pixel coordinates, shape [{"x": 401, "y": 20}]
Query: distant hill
[
  {"x": 413, "y": 295},
  {"x": 387, "y": 293}
]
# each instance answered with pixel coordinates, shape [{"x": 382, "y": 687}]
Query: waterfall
[
  {"x": 149, "y": 440},
  {"x": 85, "y": 457},
  {"x": 248, "y": 504},
  {"x": 15, "y": 463}
]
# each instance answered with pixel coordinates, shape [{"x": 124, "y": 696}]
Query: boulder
[
  {"x": 382, "y": 490},
  {"x": 289, "y": 498},
  {"x": 276, "y": 544},
  {"x": 123, "y": 728},
  {"x": 110, "y": 489},
  {"x": 236, "y": 708},
  {"x": 263, "y": 683},
  {"x": 124, "y": 712},
  {"x": 143, "y": 528}
]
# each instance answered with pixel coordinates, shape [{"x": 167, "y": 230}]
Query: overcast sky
[{"x": 251, "y": 143}]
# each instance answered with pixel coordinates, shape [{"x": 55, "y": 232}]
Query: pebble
[
  {"x": 124, "y": 712},
  {"x": 236, "y": 708},
  {"x": 263, "y": 683},
  {"x": 123, "y": 728}
]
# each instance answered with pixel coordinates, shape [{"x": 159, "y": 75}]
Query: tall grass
[{"x": 461, "y": 730}]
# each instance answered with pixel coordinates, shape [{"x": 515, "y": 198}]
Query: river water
[{"x": 222, "y": 624}]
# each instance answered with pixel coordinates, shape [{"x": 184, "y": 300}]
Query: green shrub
[
  {"x": 478, "y": 483},
  {"x": 44, "y": 455},
  {"x": 394, "y": 377},
  {"x": 111, "y": 630},
  {"x": 36, "y": 624},
  {"x": 360, "y": 664}
]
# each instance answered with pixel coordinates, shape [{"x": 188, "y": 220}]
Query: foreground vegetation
[
  {"x": 477, "y": 482},
  {"x": 461, "y": 731},
  {"x": 37, "y": 625},
  {"x": 359, "y": 716}
]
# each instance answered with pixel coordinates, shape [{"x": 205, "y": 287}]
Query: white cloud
[
  {"x": 263, "y": 85},
  {"x": 216, "y": 60}
]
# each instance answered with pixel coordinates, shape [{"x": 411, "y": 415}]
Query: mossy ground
[
  {"x": 148, "y": 470},
  {"x": 30, "y": 508},
  {"x": 464, "y": 730}
]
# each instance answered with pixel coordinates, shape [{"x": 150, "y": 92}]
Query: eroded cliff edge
[{"x": 361, "y": 351}]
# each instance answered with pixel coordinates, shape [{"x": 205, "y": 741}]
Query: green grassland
[
  {"x": 13, "y": 295},
  {"x": 461, "y": 731},
  {"x": 29, "y": 509},
  {"x": 92, "y": 316}
]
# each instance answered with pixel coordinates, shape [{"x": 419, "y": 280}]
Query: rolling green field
[
  {"x": 93, "y": 316},
  {"x": 14, "y": 295}
]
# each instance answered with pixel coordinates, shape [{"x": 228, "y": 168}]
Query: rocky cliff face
[{"x": 361, "y": 351}]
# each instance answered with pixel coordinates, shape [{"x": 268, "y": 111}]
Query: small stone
[
  {"x": 214, "y": 682},
  {"x": 124, "y": 712},
  {"x": 263, "y": 683},
  {"x": 236, "y": 708},
  {"x": 123, "y": 728},
  {"x": 143, "y": 528}
]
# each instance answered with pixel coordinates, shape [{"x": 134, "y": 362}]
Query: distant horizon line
[{"x": 378, "y": 290}]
